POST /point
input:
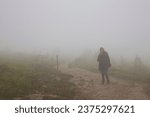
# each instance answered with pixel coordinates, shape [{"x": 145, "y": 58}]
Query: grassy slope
[{"x": 20, "y": 78}]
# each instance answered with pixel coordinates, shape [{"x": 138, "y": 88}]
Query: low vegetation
[{"x": 21, "y": 77}]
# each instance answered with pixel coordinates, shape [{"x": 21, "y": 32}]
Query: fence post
[{"x": 57, "y": 63}]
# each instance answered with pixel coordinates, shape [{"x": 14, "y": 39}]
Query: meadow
[{"x": 22, "y": 76}]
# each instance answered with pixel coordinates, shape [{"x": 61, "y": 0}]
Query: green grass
[
  {"x": 130, "y": 74},
  {"x": 18, "y": 79}
]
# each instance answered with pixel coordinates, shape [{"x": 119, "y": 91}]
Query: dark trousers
[{"x": 104, "y": 74}]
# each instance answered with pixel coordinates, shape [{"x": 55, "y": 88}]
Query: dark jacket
[{"x": 104, "y": 61}]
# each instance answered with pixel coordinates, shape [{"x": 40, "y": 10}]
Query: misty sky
[{"x": 71, "y": 26}]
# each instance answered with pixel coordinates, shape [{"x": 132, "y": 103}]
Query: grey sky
[{"x": 70, "y": 26}]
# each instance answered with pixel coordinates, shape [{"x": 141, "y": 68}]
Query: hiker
[{"x": 104, "y": 64}]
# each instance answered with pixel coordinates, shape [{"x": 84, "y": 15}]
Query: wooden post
[{"x": 57, "y": 62}]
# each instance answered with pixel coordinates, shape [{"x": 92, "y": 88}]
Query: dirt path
[{"x": 89, "y": 86}]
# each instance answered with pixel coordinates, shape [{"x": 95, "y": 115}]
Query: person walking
[{"x": 104, "y": 64}]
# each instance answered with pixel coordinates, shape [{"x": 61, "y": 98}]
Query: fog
[{"x": 69, "y": 27}]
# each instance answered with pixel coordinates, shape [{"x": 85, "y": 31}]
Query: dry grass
[{"x": 18, "y": 79}]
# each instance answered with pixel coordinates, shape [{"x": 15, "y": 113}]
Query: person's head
[{"x": 102, "y": 49}]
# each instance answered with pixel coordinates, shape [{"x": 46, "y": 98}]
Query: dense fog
[{"x": 70, "y": 27}]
